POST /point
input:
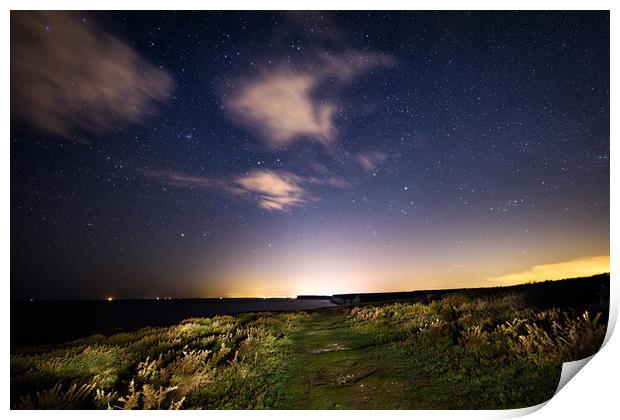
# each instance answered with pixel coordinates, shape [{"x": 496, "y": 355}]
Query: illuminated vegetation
[{"x": 457, "y": 351}]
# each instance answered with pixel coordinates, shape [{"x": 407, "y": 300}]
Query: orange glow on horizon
[
  {"x": 333, "y": 279},
  {"x": 580, "y": 267}
]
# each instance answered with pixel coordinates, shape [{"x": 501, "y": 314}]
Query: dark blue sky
[{"x": 268, "y": 153}]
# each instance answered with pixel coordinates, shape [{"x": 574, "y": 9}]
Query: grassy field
[{"x": 495, "y": 348}]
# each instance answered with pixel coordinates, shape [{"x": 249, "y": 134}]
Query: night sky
[{"x": 275, "y": 154}]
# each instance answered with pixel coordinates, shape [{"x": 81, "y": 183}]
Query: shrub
[{"x": 57, "y": 397}]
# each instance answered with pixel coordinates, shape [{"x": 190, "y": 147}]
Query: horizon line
[{"x": 112, "y": 298}]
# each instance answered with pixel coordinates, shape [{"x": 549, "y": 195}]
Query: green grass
[{"x": 455, "y": 352}]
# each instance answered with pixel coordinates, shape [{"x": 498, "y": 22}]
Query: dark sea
[{"x": 41, "y": 322}]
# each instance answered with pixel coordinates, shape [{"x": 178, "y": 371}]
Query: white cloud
[
  {"x": 286, "y": 104},
  {"x": 65, "y": 73},
  {"x": 281, "y": 107},
  {"x": 273, "y": 190}
]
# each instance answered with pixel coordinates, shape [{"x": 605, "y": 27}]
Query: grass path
[{"x": 333, "y": 366}]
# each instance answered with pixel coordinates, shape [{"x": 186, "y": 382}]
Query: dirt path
[{"x": 336, "y": 367}]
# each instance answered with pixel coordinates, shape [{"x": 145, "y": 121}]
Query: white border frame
[{"x": 592, "y": 394}]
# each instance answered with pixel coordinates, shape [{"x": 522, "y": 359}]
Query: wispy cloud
[
  {"x": 66, "y": 74},
  {"x": 269, "y": 189},
  {"x": 287, "y": 103},
  {"x": 580, "y": 267},
  {"x": 273, "y": 190},
  {"x": 370, "y": 161},
  {"x": 178, "y": 179}
]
